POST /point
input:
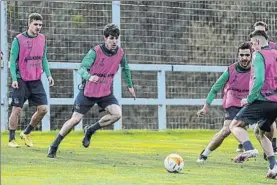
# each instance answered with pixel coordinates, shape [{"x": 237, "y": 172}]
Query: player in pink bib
[
  {"x": 235, "y": 84},
  {"x": 261, "y": 103},
  {"x": 98, "y": 70},
  {"x": 28, "y": 61},
  {"x": 260, "y": 25}
]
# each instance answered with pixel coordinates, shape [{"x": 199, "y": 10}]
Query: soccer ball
[{"x": 174, "y": 163}]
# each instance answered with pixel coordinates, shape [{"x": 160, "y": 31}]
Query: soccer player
[
  {"x": 235, "y": 81},
  {"x": 27, "y": 63},
  {"x": 98, "y": 68},
  {"x": 260, "y": 25},
  {"x": 261, "y": 103}
]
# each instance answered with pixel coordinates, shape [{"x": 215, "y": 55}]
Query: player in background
[
  {"x": 98, "y": 68},
  {"x": 28, "y": 61},
  {"x": 235, "y": 81}
]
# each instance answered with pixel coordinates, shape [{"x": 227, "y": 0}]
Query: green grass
[{"x": 127, "y": 158}]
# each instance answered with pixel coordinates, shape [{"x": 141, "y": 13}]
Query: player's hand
[
  {"x": 132, "y": 91},
  {"x": 51, "y": 81},
  {"x": 202, "y": 111},
  {"x": 15, "y": 84},
  {"x": 243, "y": 102},
  {"x": 94, "y": 78}
]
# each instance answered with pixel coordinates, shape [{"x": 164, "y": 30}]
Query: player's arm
[
  {"x": 259, "y": 77},
  {"x": 126, "y": 71},
  {"x": 218, "y": 85},
  {"x": 86, "y": 64},
  {"x": 45, "y": 65},
  {"x": 14, "y": 59},
  {"x": 127, "y": 75}
]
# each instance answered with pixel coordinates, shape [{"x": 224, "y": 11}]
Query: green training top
[
  {"x": 259, "y": 77},
  {"x": 14, "y": 56},
  {"x": 90, "y": 58},
  {"x": 220, "y": 83}
]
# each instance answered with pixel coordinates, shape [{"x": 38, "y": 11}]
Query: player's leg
[
  {"x": 36, "y": 98},
  {"x": 268, "y": 150},
  {"x": 270, "y": 136},
  {"x": 114, "y": 114},
  {"x": 272, "y": 173},
  {"x": 240, "y": 146},
  {"x": 35, "y": 120},
  {"x": 81, "y": 106},
  {"x": 273, "y": 127},
  {"x": 247, "y": 115},
  {"x": 264, "y": 114},
  {"x": 66, "y": 128},
  {"x": 216, "y": 141},
  {"x": 110, "y": 104},
  {"x": 13, "y": 123},
  {"x": 18, "y": 99},
  {"x": 264, "y": 140},
  {"x": 219, "y": 137},
  {"x": 265, "y": 125}
]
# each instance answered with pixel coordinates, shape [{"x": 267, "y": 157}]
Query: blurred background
[{"x": 198, "y": 33}]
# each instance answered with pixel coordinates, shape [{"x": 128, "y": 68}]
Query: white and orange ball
[{"x": 174, "y": 163}]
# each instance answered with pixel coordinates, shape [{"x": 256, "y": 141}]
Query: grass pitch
[{"x": 128, "y": 158}]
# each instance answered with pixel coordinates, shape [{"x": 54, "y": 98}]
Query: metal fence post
[
  {"x": 77, "y": 80},
  {"x": 4, "y": 68},
  {"x": 117, "y": 80},
  {"x": 161, "y": 98},
  {"x": 46, "y": 119}
]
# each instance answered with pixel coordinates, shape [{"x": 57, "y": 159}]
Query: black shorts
[
  {"x": 261, "y": 112},
  {"x": 32, "y": 91},
  {"x": 231, "y": 112},
  {"x": 83, "y": 103}
]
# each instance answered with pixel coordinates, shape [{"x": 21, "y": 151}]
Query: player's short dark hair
[
  {"x": 245, "y": 45},
  {"x": 261, "y": 23},
  {"x": 111, "y": 29},
  {"x": 258, "y": 33},
  {"x": 34, "y": 16}
]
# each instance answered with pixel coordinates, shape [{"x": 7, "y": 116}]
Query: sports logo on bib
[
  {"x": 101, "y": 64},
  {"x": 28, "y": 45}
]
